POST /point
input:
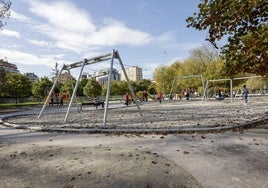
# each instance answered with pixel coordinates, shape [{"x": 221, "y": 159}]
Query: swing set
[
  {"x": 110, "y": 56},
  {"x": 186, "y": 77},
  {"x": 230, "y": 83}
]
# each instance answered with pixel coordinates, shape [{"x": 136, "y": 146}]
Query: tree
[
  {"x": 245, "y": 25},
  {"x": 81, "y": 86},
  {"x": 115, "y": 88},
  {"x": 41, "y": 87},
  {"x": 92, "y": 88},
  {"x": 4, "y": 11},
  {"x": 159, "y": 77},
  {"x": 18, "y": 85},
  {"x": 123, "y": 88},
  {"x": 55, "y": 70},
  {"x": 3, "y": 81},
  {"x": 164, "y": 76},
  {"x": 205, "y": 60},
  {"x": 143, "y": 85},
  {"x": 67, "y": 87},
  {"x": 152, "y": 89}
]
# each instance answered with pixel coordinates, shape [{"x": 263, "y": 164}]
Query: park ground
[{"x": 234, "y": 158}]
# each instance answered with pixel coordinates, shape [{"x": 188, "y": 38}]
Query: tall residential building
[
  {"x": 134, "y": 73},
  {"x": 8, "y": 67}
]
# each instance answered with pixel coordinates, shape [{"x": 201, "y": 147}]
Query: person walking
[
  {"x": 127, "y": 99},
  {"x": 159, "y": 97},
  {"x": 245, "y": 94}
]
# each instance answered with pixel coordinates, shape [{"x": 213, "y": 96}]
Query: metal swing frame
[
  {"x": 219, "y": 80},
  {"x": 187, "y": 77},
  {"x": 82, "y": 64}
]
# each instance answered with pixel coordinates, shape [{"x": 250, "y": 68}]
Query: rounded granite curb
[{"x": 107, "y": 130}]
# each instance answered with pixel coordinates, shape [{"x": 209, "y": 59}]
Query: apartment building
[
  {"x": 134, "y": 73},
  {"x": 8, "y": 67}
]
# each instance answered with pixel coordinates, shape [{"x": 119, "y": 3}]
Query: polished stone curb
[{"x": 108, "y": 130}]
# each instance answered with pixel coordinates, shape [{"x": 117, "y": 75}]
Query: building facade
[
  {"x": 102, "y": 76},
  {"x": 31, "y": 76},
  {"x": 134, "y": 73},
  {"x": 8, "y": 67},
  {"x": 63, "y": 78}
]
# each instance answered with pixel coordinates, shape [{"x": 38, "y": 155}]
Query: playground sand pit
[{"x": 167, "y": 115}]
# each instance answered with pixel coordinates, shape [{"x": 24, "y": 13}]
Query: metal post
[
  {"x": 108, "y": 89},
  {"x": 74, "y": 91},
  {"x": 175, "y": 79},
  {"x": 72, "y": 84},
  {"x": 129, "y": 85},
  {"x": 231, "y": 89},
  {"x": 206, "y": 90},
  {"x": 51, "y": 91},
  {"x": 203, "y": 87}
]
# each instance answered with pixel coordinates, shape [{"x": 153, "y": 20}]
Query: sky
[{"x": 146, "y": 33}]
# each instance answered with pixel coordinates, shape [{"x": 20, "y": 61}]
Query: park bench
[
  {"x": 92, "y": 103},
  {"x": 57, "y": 103}
]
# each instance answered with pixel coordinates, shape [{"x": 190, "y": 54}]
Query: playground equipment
[
  {"x": 82, "y": 64},
  {"x": 187, "y": 77},
  {"x": 245, "y": 78},
  {"x": 219, "y": 80},
  {"x": 231, "y": 84}
]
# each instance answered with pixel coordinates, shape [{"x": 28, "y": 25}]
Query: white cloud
[
  {"x": 57, "y": 56},
  {"x": 20, "y": 17},
  {"x": 72, "y": 28},
  {"x": 40, "y": 43},
  {"x": 189, "y": 46},
  {"x": 115, "y": 33},
  {"x": 10, "y": 33},
  {"x": 63, "y": 15},
  {"x": 15, "y": 56},
  {"x": 166, "y": 37}
]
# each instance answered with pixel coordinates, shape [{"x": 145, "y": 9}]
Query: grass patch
[
  {"x": 6, "y": 106},
  {"x": 11, "y": 107}
]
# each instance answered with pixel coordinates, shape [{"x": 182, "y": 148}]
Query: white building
[
  {"x": 102, "y": 76},
  {"x": 134, "y": 73}
]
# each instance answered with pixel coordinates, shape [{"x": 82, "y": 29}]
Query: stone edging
[{"x": 107, "y": 130}]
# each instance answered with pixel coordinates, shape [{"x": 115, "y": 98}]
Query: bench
[
  {"x": 57, "y": 103},
  {"x": 92, "y": 103}
]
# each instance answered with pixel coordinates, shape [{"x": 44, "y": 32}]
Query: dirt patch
[{"x": 31, "y": 165}]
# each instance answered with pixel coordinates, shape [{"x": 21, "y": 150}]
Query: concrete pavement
[{"x": 229, "y": 159}]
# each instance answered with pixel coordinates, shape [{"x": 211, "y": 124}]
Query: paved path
[{"x": 230, "y": 159}]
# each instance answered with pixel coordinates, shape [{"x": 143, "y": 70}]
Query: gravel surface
[{"x": 168, "y": 114}]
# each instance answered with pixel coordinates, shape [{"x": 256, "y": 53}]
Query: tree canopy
[
  {"x": 41, "y": 87},
  {"x": 18, "y": 85},
  {"x": 245, "y": 25},
  {"x": 4, "y": 11},
  {"x": 92, "y": 88}
]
